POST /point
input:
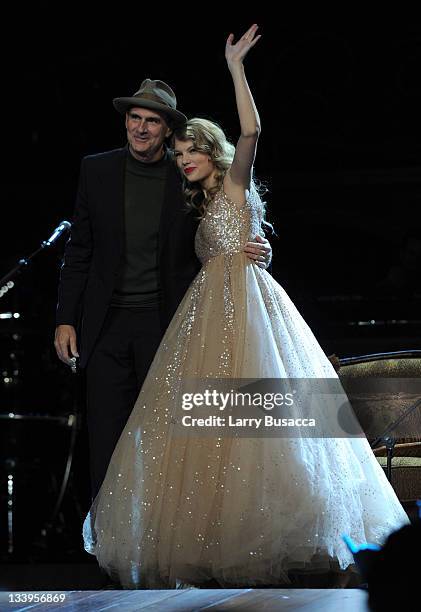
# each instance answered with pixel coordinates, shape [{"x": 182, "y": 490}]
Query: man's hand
[
  {"x": 65, "y": 339},
  {"x": 260, "y": 251}
]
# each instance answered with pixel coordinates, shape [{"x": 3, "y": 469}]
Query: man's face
[{"x": 146, "y": 133}]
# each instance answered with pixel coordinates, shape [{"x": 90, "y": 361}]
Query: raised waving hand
[{"x": 237, "y": 52}]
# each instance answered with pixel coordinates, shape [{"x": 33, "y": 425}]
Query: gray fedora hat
[{"x": 155, "y": 95}]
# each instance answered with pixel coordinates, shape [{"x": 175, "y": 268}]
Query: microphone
[{"x": 63, "y": 227}]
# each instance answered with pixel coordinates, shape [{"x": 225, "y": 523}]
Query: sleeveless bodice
[{"x": 226, "y": 226}]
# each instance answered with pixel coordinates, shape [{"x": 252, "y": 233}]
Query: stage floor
[{"x": 187, "y": 600}]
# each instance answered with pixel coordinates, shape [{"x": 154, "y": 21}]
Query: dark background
[{"x": 340, "y": 153}]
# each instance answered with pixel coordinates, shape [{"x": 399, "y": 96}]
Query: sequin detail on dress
[{"x": 241, "y": 511}]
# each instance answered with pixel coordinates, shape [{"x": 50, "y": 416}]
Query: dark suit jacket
[{"x": 94, "y": 251}]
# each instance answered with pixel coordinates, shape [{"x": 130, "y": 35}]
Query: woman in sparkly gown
[{"x": 240, "y": 511}]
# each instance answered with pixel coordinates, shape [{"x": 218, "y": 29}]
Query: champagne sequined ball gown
[{"x": 241, "y": 511}]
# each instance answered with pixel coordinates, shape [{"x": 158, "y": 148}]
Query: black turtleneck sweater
[{"x": 137, "y": 285}]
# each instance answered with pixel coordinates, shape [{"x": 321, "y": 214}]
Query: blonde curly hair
[{"x": 209, "y": 138}]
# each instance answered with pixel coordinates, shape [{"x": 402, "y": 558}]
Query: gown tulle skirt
[{"x": 241, "y": 511}]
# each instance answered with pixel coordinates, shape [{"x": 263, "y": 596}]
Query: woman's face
[{"x": 194, "y": 165}]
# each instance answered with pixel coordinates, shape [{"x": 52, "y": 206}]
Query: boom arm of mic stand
[{"x": 6, "y": 282}]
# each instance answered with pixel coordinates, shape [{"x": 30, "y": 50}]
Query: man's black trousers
[{"x": 115, "y": 373}]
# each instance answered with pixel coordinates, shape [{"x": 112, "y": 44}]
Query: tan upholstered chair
[{"x": 406, "y": 459}]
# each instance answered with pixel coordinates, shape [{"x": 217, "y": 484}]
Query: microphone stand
[
  {"x": 389, "y": 441},
  {"x": 6, "y": 282}
]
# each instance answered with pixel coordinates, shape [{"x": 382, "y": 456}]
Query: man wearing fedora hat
[{"x": 127, "y": 265}]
